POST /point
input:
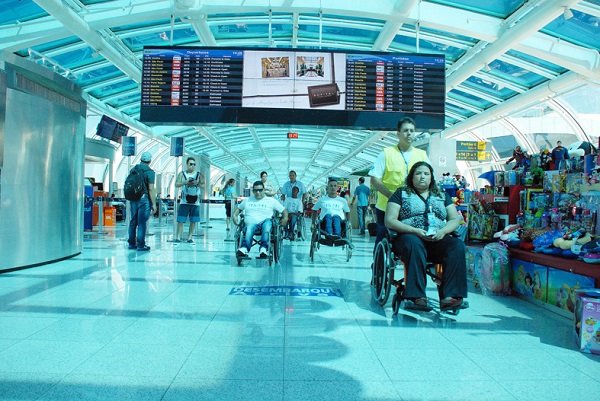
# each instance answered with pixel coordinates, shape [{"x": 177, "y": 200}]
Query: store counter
[{"x": 569, "y": 265}]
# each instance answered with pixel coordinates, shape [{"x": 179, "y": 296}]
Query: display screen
[
  {"x": 182, "y": 85},
  {"x": 111, "y": 129}
]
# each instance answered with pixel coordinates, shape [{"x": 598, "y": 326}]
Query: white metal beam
[
  {"x": 79, "y": 27},
  {"x": 545, "y": 13},
  {"x": 548, "y": 89}
]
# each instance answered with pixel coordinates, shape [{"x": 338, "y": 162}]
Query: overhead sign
[
  {"x": 292, "y": 135},
  {"x": 472, "y": 151}
]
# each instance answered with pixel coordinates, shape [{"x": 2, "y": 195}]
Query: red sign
[{"x": 292, "y": 135}]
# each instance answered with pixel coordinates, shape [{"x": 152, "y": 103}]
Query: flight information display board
[
  {"x": 411, "y": 84},
  {"x": 291, "y": 87},
  {"x": 193, "y": 78}
]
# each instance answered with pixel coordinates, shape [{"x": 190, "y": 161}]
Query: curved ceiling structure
[{"x": 502, "y": 57}]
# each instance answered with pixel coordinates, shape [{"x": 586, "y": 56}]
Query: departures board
[{"x": 184, "y": 85}]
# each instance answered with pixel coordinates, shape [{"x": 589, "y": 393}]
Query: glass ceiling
[{"x": 496, "y": 53}]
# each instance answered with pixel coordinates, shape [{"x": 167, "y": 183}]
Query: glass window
[
  {"x": 470, "y": 99},
  {"x": 458, "y": 110},
  {"x": 129, "y": 99},
  {"x": 55, "y": 44},
  {"x": 78, "y": 58},
  {"x": 115, "y": 88},
  {"x": 98, "y": 75},
  {"x": 408, "y": 43},
  {"x": 500, "y": 9},
  {"x": 537, "y": 62},
  {"x": 162, "y": 38},
  {"x": 22, "y": 11},
  {"x": 582, "y": 29},
  {"x": 494, "y": 89},
  {"x": 513, "y": 73}
]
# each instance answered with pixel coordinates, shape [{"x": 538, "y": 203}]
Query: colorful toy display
[
  {"x": 529, "y": 279},
  {"x": 562, "y": 287},
  {"x": 495, "y": 269},
  {"x": 587, "y": 320}
]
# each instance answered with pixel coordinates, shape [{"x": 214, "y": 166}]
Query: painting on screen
[{"x": 275, "y": 67}]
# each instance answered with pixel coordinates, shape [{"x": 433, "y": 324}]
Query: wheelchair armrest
[{"x": 391, "y": 234}]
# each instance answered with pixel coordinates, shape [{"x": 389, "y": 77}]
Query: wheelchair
[
  {"x": 385, "y": 262},
  {"x": 276, "y": 241},
  {"x": 301, "y": 227},
  {"x": 318, "y": 238}
]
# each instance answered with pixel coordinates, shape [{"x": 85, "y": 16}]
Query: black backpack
[{"x": 135, "y": 184}]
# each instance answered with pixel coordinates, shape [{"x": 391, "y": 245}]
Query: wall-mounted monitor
[
  {"x": 111, "y": 129},
  {"x": 186, "y": 85}
]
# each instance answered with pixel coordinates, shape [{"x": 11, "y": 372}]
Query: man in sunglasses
[
  {"x": 191, "y": 183},
  {"x": 258, "y": 210}
]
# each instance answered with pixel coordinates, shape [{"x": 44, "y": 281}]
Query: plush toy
[
  {"x": 570, "y": 238},
  {"x": 546, "y": 239},
  {"x": 510, "y": 233}
]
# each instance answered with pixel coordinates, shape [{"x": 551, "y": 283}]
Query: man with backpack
[
  {"x": 139, "y": 191},
  {"x": 191, "y": 183}
]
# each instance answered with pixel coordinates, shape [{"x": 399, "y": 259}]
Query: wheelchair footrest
[{"x": 326, "y": 241}]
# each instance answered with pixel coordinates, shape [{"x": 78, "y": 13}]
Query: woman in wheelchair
[
  {"x": 258, "y": 210},
  {"x": 425, "y": 218}
]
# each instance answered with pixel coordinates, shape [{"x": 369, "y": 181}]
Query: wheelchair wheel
[
  {"x": 349, "y": 243},
  {"x": 314, "y": 243},
  {"x": 301, "y": 228},
  {"x": 398, "y": 298},
  {"x": 238, "y": 242},
  {"x": 277, "y": 242},
  {"x": 381, "y": 280}
]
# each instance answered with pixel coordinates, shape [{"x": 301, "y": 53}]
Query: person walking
[
  {"x": 361, "y": 193},
  {"x": 391, "y": 168},
  {"x": 286, "y": 190},
  {"x": 140, "y": 210},
  {"x": 191, "y": 183},
  {"x": 230, "y": 196},
  {"x": 269, "y": 188}
]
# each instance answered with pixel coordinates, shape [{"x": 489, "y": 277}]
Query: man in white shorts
[{"x": 258, "y": 210}]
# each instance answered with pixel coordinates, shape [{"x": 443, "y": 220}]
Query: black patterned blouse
[{"x": 414, "y": 208}]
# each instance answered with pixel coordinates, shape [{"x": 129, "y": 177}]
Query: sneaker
[
  {"x": 191, "y": 242},
  {"x": 242, "y": 252},
  {"x": 176, "y": 241},
  {"x": 144, "y": 248},
  {"x": 263, "y": 253},
  {"x": 132, "y": 246}
]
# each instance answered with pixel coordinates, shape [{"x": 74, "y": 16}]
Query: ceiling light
[{"x": 568, "y": 13}]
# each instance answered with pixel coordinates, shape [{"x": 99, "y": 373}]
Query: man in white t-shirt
[
  {"x": 333, "y": 209},
  {"x": 258, "y": 210},
  {"x": 294, "y": 208}
]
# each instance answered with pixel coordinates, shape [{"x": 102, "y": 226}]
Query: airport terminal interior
[{"x": 83, "y": 317}]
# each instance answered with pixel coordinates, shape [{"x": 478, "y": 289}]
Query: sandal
[
  {"x": 419, "y": 304},
  {"x": 451, "y": 303}
]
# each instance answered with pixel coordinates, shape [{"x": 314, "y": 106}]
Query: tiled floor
[{"x": 115, "y": 324}]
